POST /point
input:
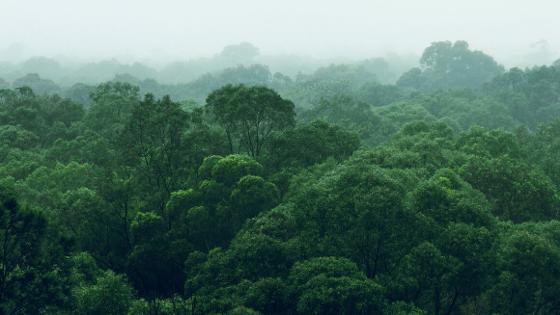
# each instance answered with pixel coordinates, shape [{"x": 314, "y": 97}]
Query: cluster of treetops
[{"x": 329, "y": 194}]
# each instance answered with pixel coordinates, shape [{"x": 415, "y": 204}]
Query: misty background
[{"x": 175, "y": 41}]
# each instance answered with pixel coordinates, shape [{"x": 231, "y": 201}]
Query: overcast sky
[{"x": 183, "y": 29}]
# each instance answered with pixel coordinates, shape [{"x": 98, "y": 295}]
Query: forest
[{"x": 220, "y": 186}]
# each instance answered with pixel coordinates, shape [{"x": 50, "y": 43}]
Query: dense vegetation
[{"x": 244, "y": 192}]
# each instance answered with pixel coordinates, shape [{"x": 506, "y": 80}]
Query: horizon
[{"x": 170, "y": 31}]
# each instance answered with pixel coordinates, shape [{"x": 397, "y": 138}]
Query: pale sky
[{"x": 184, "y": 29}]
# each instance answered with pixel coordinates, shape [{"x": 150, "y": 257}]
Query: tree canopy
[{"x": 243, "y": 191}]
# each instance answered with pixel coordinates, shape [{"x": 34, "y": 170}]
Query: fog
[{"x": 157, "y": 32}]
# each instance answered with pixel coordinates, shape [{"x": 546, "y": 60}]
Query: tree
[
  {"x": 231, "y": 191},
  {"x": 250, "y": 115},
  {"x": 155, "y": 264},
  {"x": 309, "y": 144},
  {"x": 240, "y": 53},
  {"x": 427, "y": 274},
  {"x": 532, "y": 95},
  {"x": 37, "y": 84},
  {"x": 348, "y": 113},
  {"x": 491, "y": 143},
  {"x": 330, "y": 285},
  {"x": 268, "y": 296},
  {"x": 109, "y": 294},
  {"x": 529, "y": 265},
  {"x": 545, "y": 147},
  {"x": 152, "y": 143},
  {"x": 451, "y": 65},
  {"x": 251, "y": 196},
  {"x": 32, "y": 269},
  {"x": 111, "y": 108},
  {"x": 517, "y": 192},
  {"x": 446, "y": 198}
]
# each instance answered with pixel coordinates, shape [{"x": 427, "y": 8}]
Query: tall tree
[
  {"x": 152, "y": 143},
  {"x": 250, "y": 114},
  {"x": 447, "y": 65}
]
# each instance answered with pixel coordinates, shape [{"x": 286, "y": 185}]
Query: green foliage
[
  {"x": 111, "y": 108},
  {"x": 529, "y": 265},
  {"x": 37, "y": 84},
  {"x": 517, "y": 192},
  {"x": 532, "y": 95},
  {"x": 544, "y": 149},
  {"x": 152, "y": 144},
  {"x": 155, "y": 263},
  {"x": 249, "y": 115},
  {"x": 310, "y": 144},
  {"x": 437, "y": 195},
  {"x": 33, "y": 273},
  {"x": 348, "y": 113},
  {"x": 447, "y": 65},
  {"x": 109, "y": 294},
  {"x": 229, "y": 169}
]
